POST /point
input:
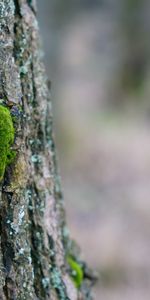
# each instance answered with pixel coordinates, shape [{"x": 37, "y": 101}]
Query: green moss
[
  {"x": 76, "y": 271},
  {"x": 6, "y": 139}
]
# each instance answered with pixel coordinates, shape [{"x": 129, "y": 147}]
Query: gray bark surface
[{"x": 33, "y": 236}]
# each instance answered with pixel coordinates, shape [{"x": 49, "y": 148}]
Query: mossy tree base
[{"x": 34, "y": 245}]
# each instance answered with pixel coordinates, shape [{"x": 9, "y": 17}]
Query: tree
[{"x": 38, "y": 260}]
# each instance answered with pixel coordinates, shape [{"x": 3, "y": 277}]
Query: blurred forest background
[{"x": 97, "y": 54}]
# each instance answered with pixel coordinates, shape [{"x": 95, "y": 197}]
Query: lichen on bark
[{"x": 33, "y": 240}]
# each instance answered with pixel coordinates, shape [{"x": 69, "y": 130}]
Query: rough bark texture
[{"x": 34, "y": 242}]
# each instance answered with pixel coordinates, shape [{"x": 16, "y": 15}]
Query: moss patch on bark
[
  {"x": 7, "y": 134},
  {"x": 76, "y": 271}
]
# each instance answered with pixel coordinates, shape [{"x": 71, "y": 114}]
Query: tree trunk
[{"x": 36, "y": 257}]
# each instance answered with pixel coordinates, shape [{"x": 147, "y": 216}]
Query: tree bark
[{"x": 34, "y": 240}]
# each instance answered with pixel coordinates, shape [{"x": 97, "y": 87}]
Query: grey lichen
[
  {"x": 36, "y": 158},
  {"x": 58, "y": 284},
  {"x": 23, "y": 70},
  {"x": 45, "y": 282}
]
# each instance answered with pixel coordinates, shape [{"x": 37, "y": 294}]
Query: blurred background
[{"x": 97, "y": 55}]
